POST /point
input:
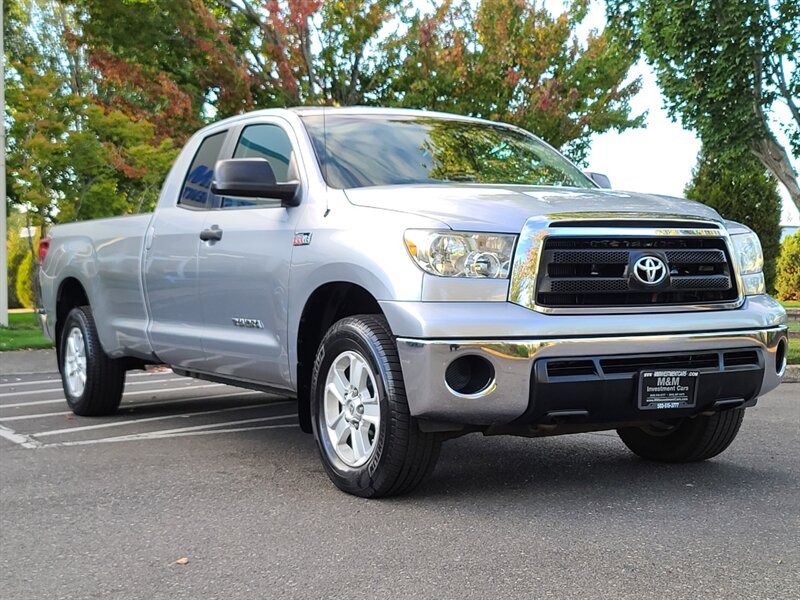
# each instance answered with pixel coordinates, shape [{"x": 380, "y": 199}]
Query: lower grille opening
[
  {"x": 635, "y": 364},
  {"x": 567, "y": 368},
  {"x": 739, "y": 359}
]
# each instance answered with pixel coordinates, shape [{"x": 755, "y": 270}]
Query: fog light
[
  {"x": 469, "y": 375},
  {"x": 780, "y": 357}
]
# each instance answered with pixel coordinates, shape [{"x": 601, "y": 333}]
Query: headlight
[
  {"x": 751, "y": 262},
  {"x": 748, "y": 253},
  {"x": 460, "y": 254}
]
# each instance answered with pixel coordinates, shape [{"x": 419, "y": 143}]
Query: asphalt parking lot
[{"x": 223, "y": 477}]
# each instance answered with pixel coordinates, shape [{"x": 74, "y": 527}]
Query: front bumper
[{"x": 522, "y": 389}]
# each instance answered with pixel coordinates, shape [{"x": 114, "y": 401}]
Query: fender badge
[
  {"x": 302, "y": 239},
  {"x": 248, "y": 323}
]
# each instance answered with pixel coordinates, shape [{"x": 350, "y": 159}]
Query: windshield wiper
[{"x": 466, "y": 177}]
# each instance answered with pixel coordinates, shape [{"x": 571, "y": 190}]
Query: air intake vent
[
  {"x": 747, "y": 358},
  {"x": 570, "y": 368},
  {"x": 635, "y": 364}
]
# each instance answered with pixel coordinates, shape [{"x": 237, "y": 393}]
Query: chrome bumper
[{"x": 425, "y": 361}]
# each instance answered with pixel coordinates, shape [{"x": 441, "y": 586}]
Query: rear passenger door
[
  {"x": 244, "y": 275},
  {"x": 170, "y": 262}
]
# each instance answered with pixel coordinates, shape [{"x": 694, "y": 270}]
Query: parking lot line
[
  {"x": 127, "y": 394},
  {"x": 129, "y": 407},
  {"x": 39, "y": 416},
  {"x": 18, "y": 438},
  {"x": 158, "y": 418},
  {"x": 179, "y": 432},
  {"x": 167, "y": 376},
  {"x": 186, "y": 382}
]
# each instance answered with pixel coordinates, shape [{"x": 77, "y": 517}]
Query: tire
[
  {"x": 92, "y": 381},
  {"x": 381, "y": 451},
  {"x": 693, "y": 440}
]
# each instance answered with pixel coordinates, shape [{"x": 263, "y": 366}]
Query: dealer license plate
[{"x": 667, "y": 389}]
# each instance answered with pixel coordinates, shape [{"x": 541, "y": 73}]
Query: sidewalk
[{"x": 28, "y": 361}]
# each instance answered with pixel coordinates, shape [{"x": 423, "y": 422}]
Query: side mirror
[
  {"x": 602, "y": 180},
  {"x": 252, "y": 178}
]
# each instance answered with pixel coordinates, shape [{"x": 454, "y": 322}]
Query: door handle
[{"x": 213, "y": 234}]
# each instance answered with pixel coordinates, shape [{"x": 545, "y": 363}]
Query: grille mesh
[{"x": 596, "y": 271}]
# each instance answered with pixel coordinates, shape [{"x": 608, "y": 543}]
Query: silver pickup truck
[{"x": 411, "y": 277}]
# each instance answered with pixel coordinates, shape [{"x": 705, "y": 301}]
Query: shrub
[
  {"x": 787, "y": 278},
  {"x": 24, "y": 283},
  {"x": 17, "y": 247}
]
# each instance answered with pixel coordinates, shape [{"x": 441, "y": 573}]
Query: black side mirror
[
  {"x": 602, "y": 180},
  {"x": 252, "y": 178}
]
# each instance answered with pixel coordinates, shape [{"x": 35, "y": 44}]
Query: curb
[
  {"x": 24, "y": 362},
  {"x": 792, "y": 374}
]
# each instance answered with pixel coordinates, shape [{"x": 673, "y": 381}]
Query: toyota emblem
[{"x": 650, "y": 270}]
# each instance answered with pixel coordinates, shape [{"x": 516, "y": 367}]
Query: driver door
[{"x": 244, "y": 275}]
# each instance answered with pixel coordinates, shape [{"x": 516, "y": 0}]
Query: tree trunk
[{"x": 773, "y": 156}]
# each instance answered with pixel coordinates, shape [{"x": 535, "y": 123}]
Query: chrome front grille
[{"x": 596, "y": 271}]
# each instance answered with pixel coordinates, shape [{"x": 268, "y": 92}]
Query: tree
[
  {"x": 515, "y": 62},
  {"x": 723, "y": 67},
  {"x": 69, "y": 156},
  {"x": 504, "y": 59},
  {"x": 166, "y": 61},
  {"x": 739, "y": 188}
]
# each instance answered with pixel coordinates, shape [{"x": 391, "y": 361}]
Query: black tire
[
  {"x": 403, "y": 455},
  {"x": 105, "y": 377},
  {"x": 693, "y": 440}
]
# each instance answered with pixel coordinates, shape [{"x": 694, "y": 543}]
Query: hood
[{"x": 505, "y": 209}]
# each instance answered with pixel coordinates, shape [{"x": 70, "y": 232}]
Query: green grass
[
  {"x": 22, "y": 333},
  {"x": 791, "y": 304},
  {"x": 794, "y": 352}
]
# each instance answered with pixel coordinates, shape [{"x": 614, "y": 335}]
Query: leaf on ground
[{"x": 182, "y": 561}]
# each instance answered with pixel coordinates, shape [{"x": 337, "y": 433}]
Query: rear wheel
[
  {"x": 93, "y": 382},
  {"x": 369, "y": 443},
  {"x": 692, "y": 440}
]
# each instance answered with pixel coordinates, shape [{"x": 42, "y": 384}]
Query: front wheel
[
  {"x": 369, "y": 443},
  {"x": 692, "y": 440},
  {"x": 93, "y": 382}
]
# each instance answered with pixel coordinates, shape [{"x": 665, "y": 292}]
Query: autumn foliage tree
[
  {"x": 514, "y": 62},
  {"x": 69, "y": 155},
  {"x": 502, "y": 59}
]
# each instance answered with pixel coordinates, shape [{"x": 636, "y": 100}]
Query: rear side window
[{"x": 196, "y": 190}]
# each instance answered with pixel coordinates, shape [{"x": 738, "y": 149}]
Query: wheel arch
[
  {"x": 71, "y": 294},
  {"x": 327, "y": 304}
]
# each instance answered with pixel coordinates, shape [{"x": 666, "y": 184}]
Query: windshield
[{"x": 371, "y": 150}]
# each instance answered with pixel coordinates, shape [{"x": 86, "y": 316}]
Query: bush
[
  {"x": 739, "y": 188},
  {"x": 787, "y": 278},
  {"x": 17, "y": 248},
  {"x": 24, "y": 284}
]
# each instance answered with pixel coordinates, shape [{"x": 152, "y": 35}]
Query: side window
[
  {"x": 271, "y": 143},
  {"x": 196, "y": 190}
]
